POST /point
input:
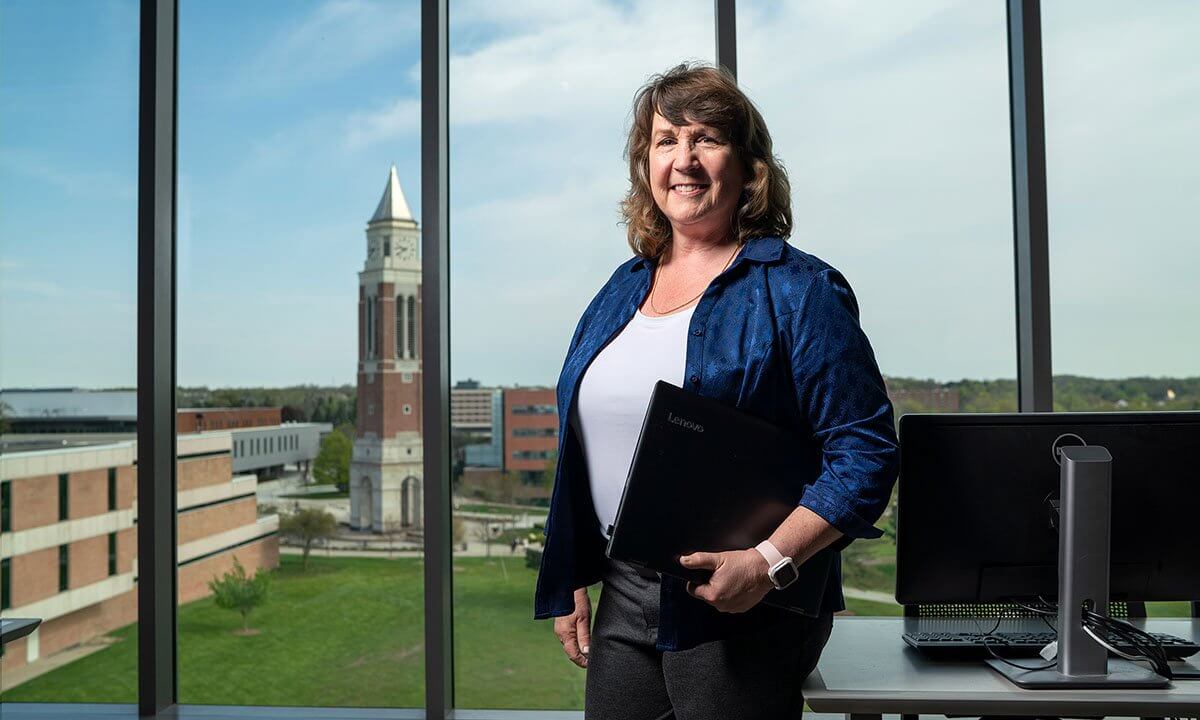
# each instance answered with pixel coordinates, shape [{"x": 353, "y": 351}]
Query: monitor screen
[{"x": 975, "y": 520}]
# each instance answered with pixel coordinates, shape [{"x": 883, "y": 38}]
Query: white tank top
[{"x": 613, "y": 397}]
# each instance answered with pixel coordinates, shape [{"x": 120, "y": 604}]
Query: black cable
[
  {"x": 1144, "y": 645},
  {"x": 991, "y": 635},
  {"x": 1040, "y": 613},
  {"x": 1142, "y": 642},
  {"x": 1006, "y": 661}
]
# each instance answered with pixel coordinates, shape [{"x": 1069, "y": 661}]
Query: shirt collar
[{"x": 759, "y": 249}]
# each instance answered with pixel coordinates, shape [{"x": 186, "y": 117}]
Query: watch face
[{"x": 785, "y": 575}]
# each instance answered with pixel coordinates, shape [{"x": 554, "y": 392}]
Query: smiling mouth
[{"x": 689, "y": 189}]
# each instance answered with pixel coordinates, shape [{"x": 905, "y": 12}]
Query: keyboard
[{"x": 1022, "y": 644}]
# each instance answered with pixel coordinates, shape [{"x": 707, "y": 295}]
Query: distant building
[
  {"x": 471, "y": 408},
  {"x": 70, "y": 410},
  {"x": 58, "y": 418},
  {"x": 190, "y": 420},
  {"x": 478, "y": 413},
  {"x": 68, "y": 536},
  {"x": 265, "y": 451},
  {"x": 386, "y": 466},
  {"x": 530, "y": 429}
]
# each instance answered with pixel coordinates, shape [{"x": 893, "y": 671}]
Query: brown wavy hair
[{"x": 698, "y": 93}]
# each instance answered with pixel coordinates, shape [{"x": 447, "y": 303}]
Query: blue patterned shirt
[{"x": 776, "y": 335}]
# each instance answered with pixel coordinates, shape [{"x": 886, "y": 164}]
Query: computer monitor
[{"x": 977, "y": 504}]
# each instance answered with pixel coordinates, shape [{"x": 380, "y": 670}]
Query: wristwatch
[{"x": 781, "y": 570}]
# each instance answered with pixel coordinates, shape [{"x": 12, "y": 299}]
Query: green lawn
[
  {"x": 324, "y": 495},
  {"x": 349, "y": 632}
]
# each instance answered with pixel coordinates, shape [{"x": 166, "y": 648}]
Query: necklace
[{"x": 658, "y": 271}]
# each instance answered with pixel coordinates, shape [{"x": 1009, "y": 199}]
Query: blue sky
[{"x": 891, "y": 118}]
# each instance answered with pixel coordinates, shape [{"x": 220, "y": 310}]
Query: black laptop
[{"x": 708, "y": 477}]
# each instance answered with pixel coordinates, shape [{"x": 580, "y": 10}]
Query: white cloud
[
  {"x": 334, "y": 39},
  {"x": 583, "y": 64},
  {"x": 401, "y": 117}
]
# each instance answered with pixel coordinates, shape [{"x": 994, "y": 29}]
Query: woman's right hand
[{"x": 574, "y": 631}]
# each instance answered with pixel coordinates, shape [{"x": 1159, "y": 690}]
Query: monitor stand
[{"x": 1083, "y": 564}]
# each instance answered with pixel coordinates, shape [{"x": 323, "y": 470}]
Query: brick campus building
[
  {"x": 68, "y": 532},
  {"x": 70, "y": 540},
  {"x": 530, "y": 429}
]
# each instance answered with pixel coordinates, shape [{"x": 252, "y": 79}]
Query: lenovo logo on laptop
[{"x": 686, "y": 424}]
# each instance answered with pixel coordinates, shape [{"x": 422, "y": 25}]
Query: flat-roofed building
[
  {"x": 478, "y": 414},
  {"x": 471, "y": 408},
  {"x": 68, "y": 536},
  {"x": 530, "y": 429}
]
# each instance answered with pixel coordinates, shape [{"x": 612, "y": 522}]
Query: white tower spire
[{"x": 392, "y": 206}]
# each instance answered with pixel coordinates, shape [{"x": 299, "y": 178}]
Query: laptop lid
[{"x": 706, "y": 477}]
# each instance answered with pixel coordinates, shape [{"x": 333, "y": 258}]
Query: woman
[{"x": 717, "y": 302}]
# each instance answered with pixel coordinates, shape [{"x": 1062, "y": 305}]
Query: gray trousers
[{"x": 756, "y": 675}]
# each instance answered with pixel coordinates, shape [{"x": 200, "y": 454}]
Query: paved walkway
[{"x": 474, "y": 549}]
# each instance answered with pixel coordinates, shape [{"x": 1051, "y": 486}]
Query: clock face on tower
[{"x": 406, "y": 249}]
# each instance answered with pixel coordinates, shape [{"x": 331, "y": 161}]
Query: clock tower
[{"x": 386, "y": 466}]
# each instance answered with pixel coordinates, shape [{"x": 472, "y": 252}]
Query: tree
[
  {"x": 487, "y": 532},
  {"x": 291, "y": 413},
  {"x": 347, "y": 429},
  {"x": 332, "y": 466},
  {"x": 306, "y": 526},
  {"x": 547, "y": 477},
  {"x": 235, "y": 591}
]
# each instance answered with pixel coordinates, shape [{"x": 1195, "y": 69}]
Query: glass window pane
[
  {"x": 68, "y": 333},
  {"x": 892, "y": 120},
  {"x": 540, "y": 96},
  {"x": 291, "y": 118},
  {"x": 1121, "y": 156}
]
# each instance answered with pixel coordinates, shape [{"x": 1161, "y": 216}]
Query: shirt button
[
  {"x": 695, "y": 379},
  {"x": 697, "y": 332}
]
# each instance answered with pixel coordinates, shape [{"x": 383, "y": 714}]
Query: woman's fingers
[
  {"x": 571, "y": 648},
  {"x": 565, "y": 628},
  {"x": 583, "y": 632}
]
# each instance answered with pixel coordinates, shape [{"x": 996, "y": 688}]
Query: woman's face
[{"x": 695, "y": 176}]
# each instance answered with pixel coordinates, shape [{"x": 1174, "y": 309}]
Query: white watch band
[
  {"x": 775, "y": 561},
  {"x": 768, "y": 550}
]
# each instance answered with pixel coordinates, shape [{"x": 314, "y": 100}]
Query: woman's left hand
[{"x": 739, "y": 580}]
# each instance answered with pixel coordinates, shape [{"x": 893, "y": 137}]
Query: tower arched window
[
  {"x": 412, "y": 326},
  {"x": 399, "y": 326},
  {"x": 370, "y": 326}
]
